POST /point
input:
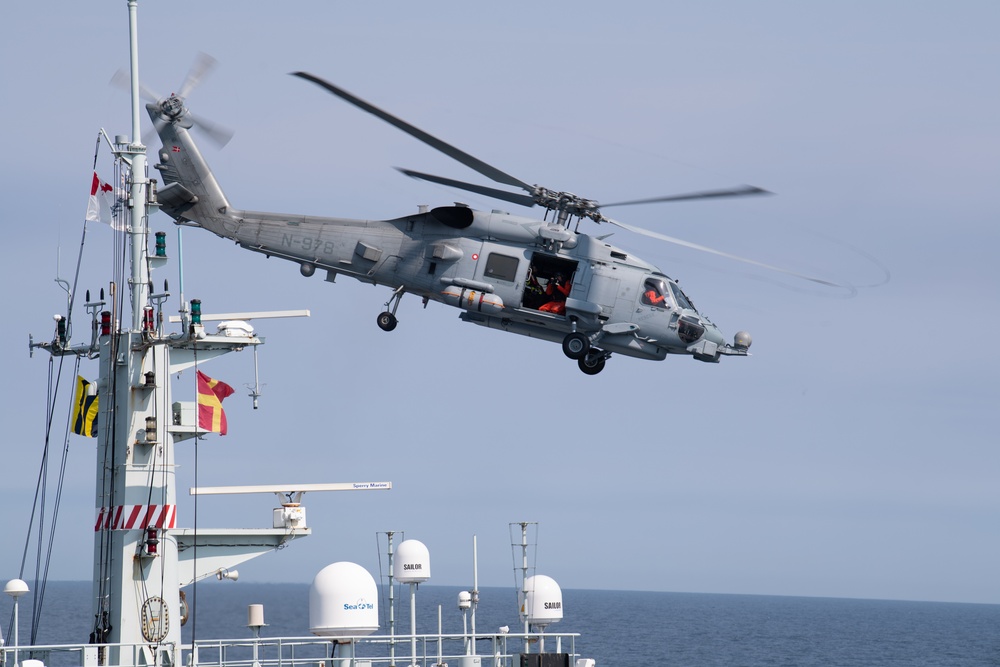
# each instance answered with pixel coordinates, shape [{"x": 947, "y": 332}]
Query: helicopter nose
[
  {"x": 710, "y": 345},
  {"x": 713, "y": 334}
]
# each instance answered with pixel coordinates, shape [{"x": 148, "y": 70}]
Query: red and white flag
[{"x": 102, "y": 199}]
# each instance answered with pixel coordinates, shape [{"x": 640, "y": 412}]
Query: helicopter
[{"x": 539, "y": 278}]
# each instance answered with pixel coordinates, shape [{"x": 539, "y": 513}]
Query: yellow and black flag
[{"x": 85, "y": 408}]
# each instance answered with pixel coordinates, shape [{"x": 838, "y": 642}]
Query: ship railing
[
  {"x": 492, "y": 650},
  {"x": 90, "y": 655}
]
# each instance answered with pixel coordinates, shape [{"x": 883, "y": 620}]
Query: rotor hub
[
  {"x": 172, "y": 107},
  {"x": 566, "y": 203}
]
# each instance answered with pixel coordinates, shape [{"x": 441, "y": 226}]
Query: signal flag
[
  {"x": 101, "y": 202},
  {"x": 85, "y": 408},
  {"x": 211, "y": 416}
]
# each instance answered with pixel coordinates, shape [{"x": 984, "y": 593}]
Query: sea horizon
[{"x": 619, "y": 590}]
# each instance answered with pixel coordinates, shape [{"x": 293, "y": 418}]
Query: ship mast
[
  {"x": 135, "y": 593},
  {"x": 138, "y": 208},
  {"x": 142, "y": 558}
]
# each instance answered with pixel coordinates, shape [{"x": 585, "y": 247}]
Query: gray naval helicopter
[{"x": 537, "y": 278}]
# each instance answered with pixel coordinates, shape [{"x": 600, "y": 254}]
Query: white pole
[
  {"x": 413, "y": 624},
  {"x": 16, "y": 642},
  {"x": 524, "y": 578},
  {"x": 392, "y": 609},
  {"x": 465, "y": 632},
  {"x": 439, "y": 635},
  {"x": 139, "y": 281},
  {"x": 475, "y": 589},
  {"x": 180, "y": 280},
  {"x": 16, "y": 588}
]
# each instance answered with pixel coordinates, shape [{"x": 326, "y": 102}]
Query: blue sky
[{"x": 854, "y": 454}]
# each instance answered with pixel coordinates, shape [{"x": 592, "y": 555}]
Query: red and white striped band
[{"x": 130, "y": 517}]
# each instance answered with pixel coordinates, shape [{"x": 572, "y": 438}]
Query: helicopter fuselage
[{"x": 505, "y": 272}]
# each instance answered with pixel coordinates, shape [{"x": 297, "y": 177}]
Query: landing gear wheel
[
  {"x": 592, "y": 364},
  {"x": 575, "y": 345},
  {"x": 386, "y": 321}
]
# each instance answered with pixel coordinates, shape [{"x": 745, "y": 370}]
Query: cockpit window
[
  {"x": 682, "y": 300},
  {"x": 654, "y": 293}
]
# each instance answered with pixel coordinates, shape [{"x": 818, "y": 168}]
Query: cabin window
[
  {"x": 501, "y": 267},
  {"x": 654, "y": 293}
]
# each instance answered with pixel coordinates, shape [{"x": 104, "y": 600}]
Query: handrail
[{"x": 492, "y": 650}]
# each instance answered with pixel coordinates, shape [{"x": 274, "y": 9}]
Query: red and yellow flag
[{"x": 211, "y": 417}]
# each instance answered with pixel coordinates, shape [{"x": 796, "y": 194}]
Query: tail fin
[{"x": 190, "y": 193}]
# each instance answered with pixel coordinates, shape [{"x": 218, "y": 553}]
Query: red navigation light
[{"x": 152, "y": 541}]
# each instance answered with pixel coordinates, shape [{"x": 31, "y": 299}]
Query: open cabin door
[{"x": 548, "y": 283}]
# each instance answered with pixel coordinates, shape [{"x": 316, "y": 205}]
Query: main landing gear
[
  {"x": 590, "y": 359},
  {"x": 387, "y": 320},
  {"x": 576, "y": 345}
]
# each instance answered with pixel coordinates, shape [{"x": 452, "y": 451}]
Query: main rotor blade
[
  {"x": 220, "y": 134},
  {"x": 742, "y": 191},
  {"x": 202, "y": 65},
  {"x": 720, "y": 253},
  {"x": 123, "y": 80},
  {"x": 486, "y": 170},
  {"x": 513, "y": 197}
]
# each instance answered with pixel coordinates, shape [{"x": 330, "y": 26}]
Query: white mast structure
[{"x": 142, "y": 559}]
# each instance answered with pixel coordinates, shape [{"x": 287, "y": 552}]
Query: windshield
[{"x": 682, "y": 300}]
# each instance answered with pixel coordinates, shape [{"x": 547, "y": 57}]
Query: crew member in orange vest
[{"x": 557, "y": 289}]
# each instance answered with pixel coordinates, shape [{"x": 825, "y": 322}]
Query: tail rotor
[{"x": 173, "y": 108}]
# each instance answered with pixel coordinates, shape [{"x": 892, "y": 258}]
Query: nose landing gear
[{"x": 592, "y": 363}]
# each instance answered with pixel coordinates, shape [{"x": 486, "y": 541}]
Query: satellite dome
[
  {"x": 541, "y": 600},
  {"x": 412, "y": 563},
  {"x": 343, "y": 601}
]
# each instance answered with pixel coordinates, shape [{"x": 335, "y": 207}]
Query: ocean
[{"x": 618, "y": 628}]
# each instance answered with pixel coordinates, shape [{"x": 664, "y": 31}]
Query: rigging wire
[
  {"x": 41, "y": 587},
  {"x": 41, "y": 488},
  {"x": 122, "y": 222},
  {"x": 38, "y": 505},
  {"x": 193, "y": 606}
]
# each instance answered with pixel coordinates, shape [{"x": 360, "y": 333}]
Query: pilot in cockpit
[{"x": 654, "y": 296}]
